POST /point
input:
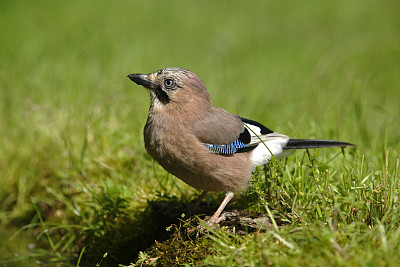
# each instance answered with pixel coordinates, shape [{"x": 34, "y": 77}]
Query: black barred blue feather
[
  {"x": 226, "y": 149},
  {"x": 242, "y": 143}
]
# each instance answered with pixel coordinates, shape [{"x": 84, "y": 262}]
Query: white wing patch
[
  {"x": 261, "y": 154},
  {"x": 254, "y": 130},
  {"x": 266, "y": 144}
]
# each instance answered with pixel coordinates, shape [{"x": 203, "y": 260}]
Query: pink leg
[{"x": 215, "y": 217}]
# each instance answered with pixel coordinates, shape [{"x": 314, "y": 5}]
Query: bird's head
[{"x": 173, "y": 85}]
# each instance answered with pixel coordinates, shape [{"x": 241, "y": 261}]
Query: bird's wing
[
  {"x": 218, "y": 127},
  {"x": 228, "y": 134},
  {"x": 225, "y": 133}
]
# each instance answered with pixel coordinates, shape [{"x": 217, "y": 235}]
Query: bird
[{"x": 205, "y": 146}]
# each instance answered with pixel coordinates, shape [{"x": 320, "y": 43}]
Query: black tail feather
[{"x": 311, "y": 143}]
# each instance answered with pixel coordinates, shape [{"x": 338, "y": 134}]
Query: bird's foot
[{"x": 210, "y": 224}]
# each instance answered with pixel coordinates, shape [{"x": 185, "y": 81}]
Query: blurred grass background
[{"x": 323, "y": 69}]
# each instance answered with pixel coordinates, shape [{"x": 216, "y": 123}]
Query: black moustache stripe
[{"x": 162, "y": 95}]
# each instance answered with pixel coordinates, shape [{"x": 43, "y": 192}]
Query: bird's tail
[{"x": 312, "y": 143}]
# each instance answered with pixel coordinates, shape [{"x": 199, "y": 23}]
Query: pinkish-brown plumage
[
  {"x": 184, "y": 155},
  {"x": 205, "y": 146}
]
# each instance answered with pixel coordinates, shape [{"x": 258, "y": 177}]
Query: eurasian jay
[{"x": 203, "y": 145}]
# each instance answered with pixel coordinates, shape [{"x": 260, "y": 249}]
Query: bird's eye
[{"x": 169, "y": 83}]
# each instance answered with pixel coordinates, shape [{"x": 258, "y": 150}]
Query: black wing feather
[{"x": 263, "y": 129}]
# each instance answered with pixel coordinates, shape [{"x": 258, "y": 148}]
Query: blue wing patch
[
  {"x": 226, "y": 149},
  {"x": 242, "y": 143}
]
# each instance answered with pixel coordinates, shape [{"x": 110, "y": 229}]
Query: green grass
[{"x": 75, "y": 180}]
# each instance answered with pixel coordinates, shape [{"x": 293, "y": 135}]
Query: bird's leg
[
  {"x": 198, "y": 201},
  {"x": 216, "y": 216}
]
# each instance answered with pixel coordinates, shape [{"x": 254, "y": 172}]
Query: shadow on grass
[
  {"x": 159, "y": 232},
  {"x": 130, "y": 234},
  {"x": 134, "y": 233}
]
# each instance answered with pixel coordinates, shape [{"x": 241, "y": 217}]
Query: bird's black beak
[{"x": 141, "y": 79}]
